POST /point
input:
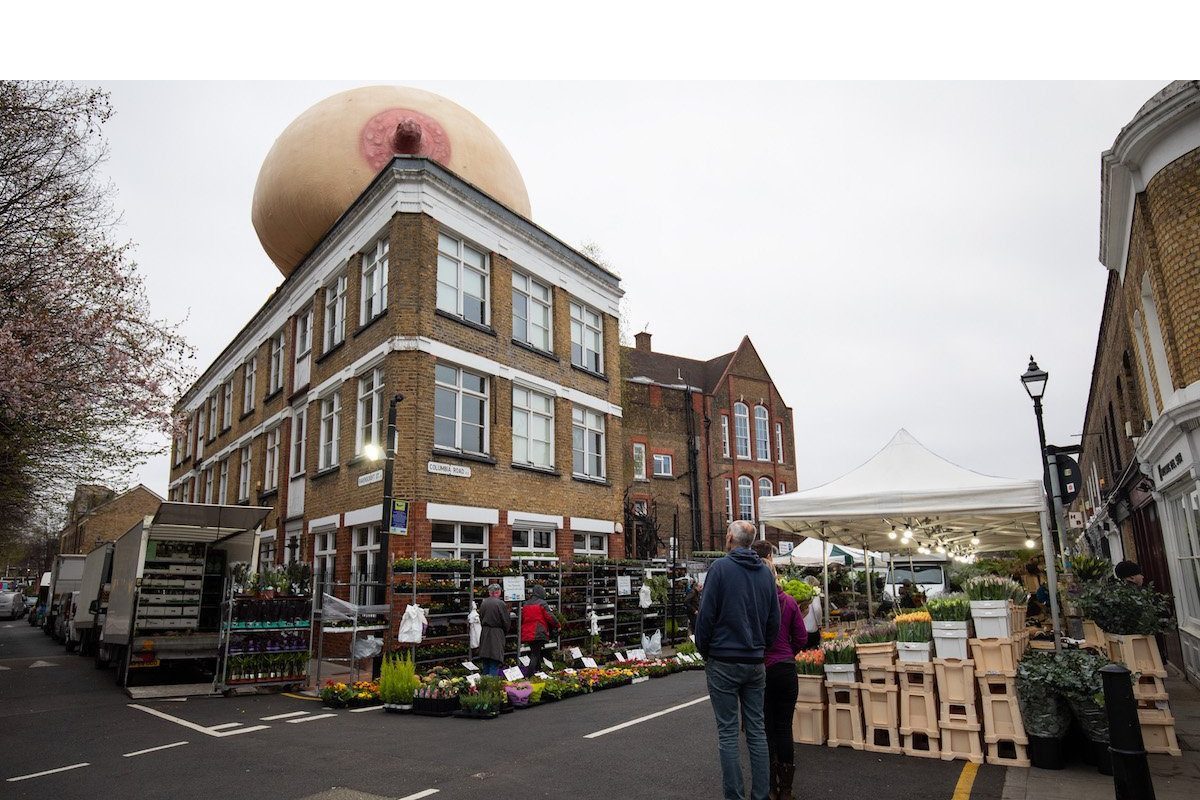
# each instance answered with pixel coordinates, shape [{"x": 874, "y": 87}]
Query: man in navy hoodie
[{"x": 738, "y": 621}]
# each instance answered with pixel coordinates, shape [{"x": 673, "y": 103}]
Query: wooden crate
[
  {"x": 955, "y": 680},
  {"x": 844, "y": 711},
  {"x": 1007, "y": 751},
  {"x": 922, "y": 744},
  {"x": 1158, "y": 731},
  {"x": 878, "y": 676},
  {"x": 1001, "y": 713},
  {"x": 880, "y": 706},
  {"x": 995, "y": 656},
  {"x": 808, "y": 723},
  {"x": 1149, "y": 687},
  {"x": 961, "y": 741},
  {"x": 918, "y": 705},
  {"x": 1139, "y": 653}
]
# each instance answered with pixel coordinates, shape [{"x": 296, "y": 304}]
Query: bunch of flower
[
  {"x": 828, "y": 635},
  {"x": 811, "y": 662},
  {"x": 801, "y": 591},
  {"x": 914, "y": 627},
  {"x": 992, "y": 587},
  {"x": 838, "y": 650},
  {"x": 949, "y": 608},
  {"x": 876, "y": 633}
]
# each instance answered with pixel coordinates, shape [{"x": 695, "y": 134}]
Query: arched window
[
  {"x": 765, "y": 487},
  {"x": 746, "y": 498},
  {"x": 741, "y": 429},
  {"x": 762, "y": 434},
  {"x": 1158, "y": 352}
]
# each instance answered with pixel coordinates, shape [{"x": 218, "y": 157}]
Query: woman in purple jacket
[{"x": 779, "y": 699}]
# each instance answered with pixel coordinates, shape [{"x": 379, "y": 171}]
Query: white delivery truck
[
  {"x": 87, "y": 617},
  {"x": 169, "y": 574},
  {"x": 65, "y": 577},
  {"x": 928, "y": 572}
]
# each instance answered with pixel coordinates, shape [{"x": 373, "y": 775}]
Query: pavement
[{"x": 67, "y": 731}]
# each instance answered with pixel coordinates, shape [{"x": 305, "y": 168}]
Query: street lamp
[
  {"x": 1034, "y": 380},
  {"x": 373, "y": 451}
]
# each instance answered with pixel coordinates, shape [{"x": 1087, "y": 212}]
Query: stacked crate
[
  {"x": 958, "y": 716},
  {"x": 919, "y": 734},
  {"x": 880, "y": 697},
  {"x": 1140, "y": 654},
  {"x": 808, "y": 722},
  {"x": 996, "y": 671},
  {"x": 845, "y": 715}
]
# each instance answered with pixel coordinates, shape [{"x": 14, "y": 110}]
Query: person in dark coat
[
  {"x": 495, "y": 618},
  {"x": 537, "y": 623}
]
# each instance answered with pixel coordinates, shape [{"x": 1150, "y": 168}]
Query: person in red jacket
[{"x": 537, "y": 623}]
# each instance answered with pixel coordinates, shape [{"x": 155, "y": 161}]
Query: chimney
[{"x": 641, "y": 341}]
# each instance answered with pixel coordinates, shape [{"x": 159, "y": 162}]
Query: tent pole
[
  {"x": 825, "y": 578},
  {"x": 867, "y": 564},
  {"x": 1051, "y": 578}
]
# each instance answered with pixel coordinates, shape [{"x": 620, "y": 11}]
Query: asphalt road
[{"x": 57, "y": 710}]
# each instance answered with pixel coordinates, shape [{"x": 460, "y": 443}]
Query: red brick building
[
  {"x": 98, "y": 514},
  {"x": 703, "y": 441}
]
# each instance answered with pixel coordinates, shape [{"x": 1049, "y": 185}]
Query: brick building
[
  {"x": 703, "y": 441},
  {"x": 98, "y": 514},
  {"x": 1150, "y": 242},
  {"x": 503, "y": 342}
]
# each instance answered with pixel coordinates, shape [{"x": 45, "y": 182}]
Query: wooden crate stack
[
  {"x": 996, "y": 671},
  {"x": 919, "y": 734},
  {"x": 808, "y": 723},
  {"x": 880, "y": 697},
  {"x": 845, "y": 715},
  {"x": 1140, "y": 654},
  {"x": 958, "y": 716}
]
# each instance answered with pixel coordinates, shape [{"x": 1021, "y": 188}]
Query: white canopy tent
[
  {"x": 907, "y": 499},
  {"x": 813, "y": 553}
]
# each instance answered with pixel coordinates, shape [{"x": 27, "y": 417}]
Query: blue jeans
[{"x": 731, "y": 685}]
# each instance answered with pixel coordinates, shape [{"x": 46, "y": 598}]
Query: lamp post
[
  {"x": 385, "y": 523},
  {"x": 1034, "y": 381}
]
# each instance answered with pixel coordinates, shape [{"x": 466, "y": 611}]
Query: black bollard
[{"x": 1131, "y": 770}]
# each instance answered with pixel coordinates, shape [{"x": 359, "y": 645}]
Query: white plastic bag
[
  {"x": 652, "y": 644},
  {"x": 367, "y": 647},
  {"x": 412, "y": 625},
  {"x": 474, "y": 626},
  {"x": 644, "y": 596},
  {"x": 595, "y": 620}
]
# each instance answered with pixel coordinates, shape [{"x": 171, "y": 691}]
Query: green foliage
[
  {"x": 398, "y": 679},
  {"x": 660, "y": 589},
  {"x": 686, "y": 648},
  {"x": 801, "y": 591},
  {"x": 1123, "y": 608},
  {"x": 1073, "y": 678},
  {"x": 706, "y": 554},
  {"x": 949, "y": 608},
  {"x": 1088, "y": 569}
]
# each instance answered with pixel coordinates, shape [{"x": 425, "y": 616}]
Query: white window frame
[
  {"x": 531, "y": 415},
  {"x": 271, "y": 460},
  {"x": 201, "y": 416},
  {"x": 249, "y": 379},
  {"x": 188, "y": 430},
  {"x": 208, "y": 485},
  {"x": 639, "y": 461},
  {"x": 330, "y": 432},
  {"x": 223, "y": 479},
  {"x": 729, "y": 500},
  {"x": 457, "y": 548},
  {"x": 364, "y": 541},
  {"x": 304, "y": 331},
  {"x": 589, "y": 543},
  {"x": 583, "y": 328},
  {"x": 746, "y": 498},
  {"x": 335, "y": 312},
  {"x": 227, "y": 405},
  {"x": 779, "y": 442},
  {"x": 212, "y": 416},
  {"x": 725, "y": 435},
  {"x": 373, "y": 288},
  {"x": 459, "y": 392},
  {"x": 766, "y": 487},
  {"x": 369, "y": 425},
  {"x": 533, "y": 290},
  {"x": 587, "y": 424},
  {"x": 451, "y": 252},
  {"x": 529, "y": 532},
  {"x": 266, "y": 552},
  {"x": 246, "y": 465},
  {"x": 741, "y": 429},
  {"x": 275, "y": 373},
  {"x": 325, "y": 557},
  {"x": 762, "y": 433},
  {"x": 664, "y": 465},
  {"x": 299, "y": 442},
  {"x": 1183, "y": 551}
]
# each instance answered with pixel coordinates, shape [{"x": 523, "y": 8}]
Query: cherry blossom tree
[{"x": 87, "y": 373}]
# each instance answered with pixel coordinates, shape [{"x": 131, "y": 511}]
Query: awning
[{"x": 204, "y": 515}]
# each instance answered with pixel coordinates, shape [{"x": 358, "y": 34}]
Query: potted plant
[
  {"x": 840, "y": 654},
  {"x": 990, "y": 595},
  {"x": 914, "y": 632},
  {"x": 397, "y": 683},
  {"x": 1130, "y": 616},
  {"x": 876, "y": 645},
  {"x": 950, "y": 616},
  {"x": 1078, "y": 679},
  {"x": 810, "y": 673},
  {"x": 1044, "y": 710}
]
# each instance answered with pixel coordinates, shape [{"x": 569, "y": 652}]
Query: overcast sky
[{"x": 894, "y": 250}]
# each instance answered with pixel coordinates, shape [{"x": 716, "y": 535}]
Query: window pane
[
  {"x": 541, "y": 539},
  {"x": 445, "y": 402},
  {"x": 473, "y": 382},
  {"x": 473, "y": 257},
  {"x": 472, "y": 410},
  {"x": 447, "y": 244},
  {"x": 447, "y": 298},
  {"x": 579, "y": 539},
  {"x": 473, "y": 309},
  {"x": 472, "y": 534},
  {"x": 443, "y": 432},
  {"x": 443, "y": 532},
  {"x": 472, "y": 438},
  {"x": 597, "y": 542},
  {"x": 473, "y": 283},
  {"x": 444, "y": 374},
  {"x": 520, "y": 538}
]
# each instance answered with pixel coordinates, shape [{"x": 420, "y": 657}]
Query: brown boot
[{"x": 785, "y": 774}]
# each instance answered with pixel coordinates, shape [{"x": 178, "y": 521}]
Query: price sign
[
  {"x": 473, "y": 678},
  {"x": 624, "y": 585},
  {"x": 524, "y": 661},
  {"x": 639, "y": 654},
  {"x": 576, "y": 652},
  {"x": 470, "y": 665},
  {"x": 542, "y": 675},
  {"x": 548, "y": 663},
  {"x": 620, "y": 657},
  {"x": 514, "y": 587},
  {"x": 514, "y": 674},
  {"x": 590, "y": 663}
]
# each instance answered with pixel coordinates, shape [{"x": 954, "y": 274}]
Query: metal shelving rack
[{"x": 235, "y": 638}]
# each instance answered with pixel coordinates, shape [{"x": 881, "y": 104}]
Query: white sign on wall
[
  {"x": 624, "y": 585},
  {"x": 370, "y": 477},
  {"x": 453, "y": 470}
]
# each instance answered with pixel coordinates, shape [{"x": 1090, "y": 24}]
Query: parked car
[{"x": 12, "y": 605}]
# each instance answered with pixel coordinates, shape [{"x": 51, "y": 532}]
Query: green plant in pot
[
  {"x": 990, "y": 596},
  {"x": 1125, "y": 609},
  {"x": 1089, "y": 569},
  {"x": 398, "y": 682}
]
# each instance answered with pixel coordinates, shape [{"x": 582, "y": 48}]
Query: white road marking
[
  {"x": 42, "y": 664},
  {"x": 153, "y": 749},
  {"x": 49, "y": 772},
  {"x": 647, "y": 717},
  {"x": 284, "y": 716},
  {"x": 310, "y": 719},
  {"x": 419, "y": 795},
  {"x": 368, "y": 708},
  {"x": 3, "y": 667},
  {"x": 198, "y": 728},
  {"x": 224, "y": 726}
]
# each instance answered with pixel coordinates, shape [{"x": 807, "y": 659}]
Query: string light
[
  {"x": 892, "y": 533},
  {"x": 975, "y": 540},
  {"x": 1030, "y": 543}
]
